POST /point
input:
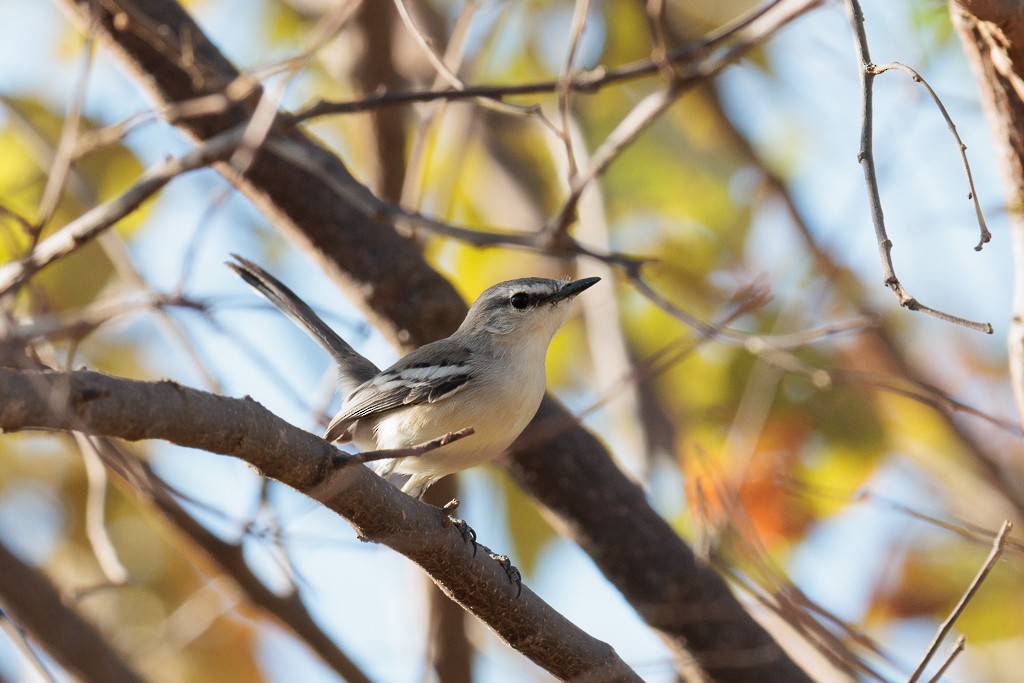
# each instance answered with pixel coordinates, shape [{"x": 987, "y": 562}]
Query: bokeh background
[{"x": 821, "y": 471}]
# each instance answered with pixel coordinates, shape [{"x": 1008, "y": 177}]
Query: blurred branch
[
  {"x": 691, "y": 61},
  {"x": 866, "y": 157},
  {"x": 65, "y": 148},
  {"x": 90, "y": 224},
  {"x": 32, "y": 602},
  {"x": 20, "y": 641},
  {"x": 895, "y": 372},
  {"x": 993, "y": 40},
  {"x": 102, "y": 405},
  {"x": 449, "y": 648},
  {"x": 311, "y": 196},
  {"x": 997, "y": 550},
  {"x": 229, "y": 558},
  {"x": 95, "y": 514},
  {"x": 958, "y": 647}
]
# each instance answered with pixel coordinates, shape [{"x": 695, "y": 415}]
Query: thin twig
[
  {"x": 972, "y": 194},
  {"x": 65, "y": 148},
  {"x": 651, "y": 107},
  {"x": 95, "y": 513},
  {"x": 427, "y": 48},
  {"x": 268, "y": 108},
  {"x": 990, "y": 562},
  {"x": 100, "y": 218},
  {"x": 690, "y": 55},
  {"x": 409, "y": 452},
  {"x": 866, "y": 157},
  {"x": 17, "y": 636},
  {"x": 958, "y": 647},
  {"x": 407, "y": 222},
  {"x": 564, "y": 92}
]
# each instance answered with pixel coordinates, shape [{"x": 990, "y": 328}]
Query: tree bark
[
  {"x": 992, "y": 33},
  {"x": 98, "y": 404},
  {"x": 321, "y": 207}
]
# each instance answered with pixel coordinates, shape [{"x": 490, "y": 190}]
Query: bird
[{"x": 488, "y": 375}]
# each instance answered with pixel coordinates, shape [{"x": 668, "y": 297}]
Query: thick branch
[
  {"x": 992, "y": 34},
  {"x": 34, "y": 604},
  {"x": 98, "y": 404},
  {"x": 309, "y": 194},
  {"x": 286, "y": 609}
]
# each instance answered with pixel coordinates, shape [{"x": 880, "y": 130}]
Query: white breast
[{"x": 498, "y": 406}]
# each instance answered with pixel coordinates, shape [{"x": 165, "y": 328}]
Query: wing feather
[{"x": 412, "y": 381}]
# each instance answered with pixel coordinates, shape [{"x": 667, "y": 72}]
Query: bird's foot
[
  {"x": 468, "y": 535},
  {"x": 514, "y": 575}
]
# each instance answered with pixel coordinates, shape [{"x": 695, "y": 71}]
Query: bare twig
[
  {"x": 564, "y": 91},
  {"x": 427, "y": 48},
  {"x": 866, "y": 157},
  {"x": 958, "y": 647},
  {"x": 288, "y": 609},
  {"x": 408, "y": 452},
  {"x": 65, "y": 148},
  {"x": 268, "y": 107},
  {"x": 17, "y": 636},
  {"x": 95, "y": 514},
  {"x": 972, "y": 194},
  {"x": 104, "y": 405},
  {"x": 990, "y": 562},
  {"x": 748, "y": 34},
  {"x": 688, "y": 58},
  {"x": 93, "y": 222},
  {"x": 407, "y": 222}
]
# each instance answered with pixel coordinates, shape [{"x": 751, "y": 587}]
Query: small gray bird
[{"x": 488, "y": 375}]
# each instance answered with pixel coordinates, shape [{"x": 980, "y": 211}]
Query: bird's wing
[{"x": 429, "y": 374}]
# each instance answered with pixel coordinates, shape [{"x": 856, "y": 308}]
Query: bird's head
[{"x": 528, "y": 308}]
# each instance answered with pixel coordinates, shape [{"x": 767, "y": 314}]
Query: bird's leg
[
  {"x": 449, "y": 519},
  {"x": 514, "y": 575},
  {"x": 468, "y": 535}
]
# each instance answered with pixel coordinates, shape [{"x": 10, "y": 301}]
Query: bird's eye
[{"x": 519, "y": 301}]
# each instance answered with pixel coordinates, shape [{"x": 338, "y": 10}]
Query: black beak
[{"x": 571, "y": 289}]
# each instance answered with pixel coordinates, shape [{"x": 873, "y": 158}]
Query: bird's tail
[{"x": 355, "y": 369}]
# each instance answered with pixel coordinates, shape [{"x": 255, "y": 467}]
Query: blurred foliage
[
  {"x": 753, "y": 450},
  {"x": 28, "y": 145}
]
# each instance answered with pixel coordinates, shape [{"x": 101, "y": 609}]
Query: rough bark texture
[
  {"x": 992, "y": 33},
  {"x": 316, "y": 203},
  {"x": 94, "y": 403}
]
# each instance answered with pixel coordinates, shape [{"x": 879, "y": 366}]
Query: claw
[
  {"x": 514, "y": 575},
  {"x": 468, "y": 535}
]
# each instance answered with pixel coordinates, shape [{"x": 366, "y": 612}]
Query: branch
[
  {"x": 972, "y": 194},
  {"x": 29, "y": 599},
  {"x": 408, "y": 452},
  {"x": 866, "y": 157},
  {"x": 993, "y": 40},
  {"x": 686, "y": 58},
  {"x": 997, "y": 550},
  {"x": 93, "y": 222},
  {"x": 99, "y": 404},
  {"x": 412, "y": 304},
  {"x": 286, "y": 609}
]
